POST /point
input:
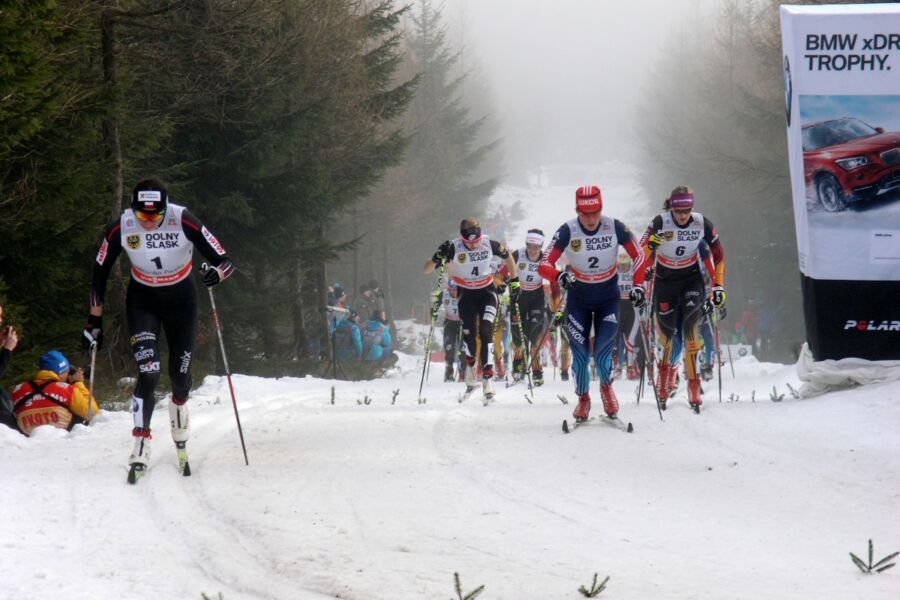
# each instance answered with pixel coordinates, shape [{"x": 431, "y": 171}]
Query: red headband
[{"x": 685, "y": 200}]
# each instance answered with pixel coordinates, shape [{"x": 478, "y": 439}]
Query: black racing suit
[{"x": 172, "y": 307}]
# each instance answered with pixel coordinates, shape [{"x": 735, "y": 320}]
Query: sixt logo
[{"x": 872, "y": 325}]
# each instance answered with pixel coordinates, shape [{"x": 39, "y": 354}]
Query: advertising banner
[{"x": 842, "y": 108}]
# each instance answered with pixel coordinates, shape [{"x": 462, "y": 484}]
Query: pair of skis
[
  {"x": 137, "y": 470},
  {"x": 614, "y": 422},
  {"x": 488, "y": 398}
]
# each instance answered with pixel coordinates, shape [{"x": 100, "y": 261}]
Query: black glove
[
  {"x": 93, "y": 332},
  {"x": 718, "y": 296},
  {"x": 638, "y": 296},
  {"x": 515, "y": 288},
  {"x": 722, "y": 314},
  {"x": 443, "y": 254},
  {"x": 214, "y": 275},
  {"x": 565, "y": 280},
  {"x": 558, "y": 317},
  {"x": 649, "y": 273}
]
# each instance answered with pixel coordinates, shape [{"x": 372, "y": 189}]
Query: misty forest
[{"x": 338, "y": 140}]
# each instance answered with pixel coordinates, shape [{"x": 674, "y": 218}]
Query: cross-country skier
[
  {"x": 673, "y": 238},
  {"x": 159, "y": 238},
  {"x": 591, "y": 243},
  {"x": 452, "y": 331},
  {"x": 624, "y": 349},
  {"x": 469, "y": 265},
  {"x": 532, "y": 308}
]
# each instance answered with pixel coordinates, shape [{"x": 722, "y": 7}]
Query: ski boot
[
  {"x": 487, "y": 386},
  {"x": 537, "y": 377},
  {"x": 694, "y": 398},
  {"x": 662, "y": 385},
  {"x": 674, "y": 380},
  {"x": 706, "y": 372},
  {"x": 140, "y": 455},
  {"x": 633, "y": 373},
  {"x": 180, "y": 424},
  {"x": 470, "y": 381},
  {"x": 610, "y": 404},
  {"x": 564, "y": 374},
  {"x": 518, "y": 368},
  {"x": 583, "y": 410}
]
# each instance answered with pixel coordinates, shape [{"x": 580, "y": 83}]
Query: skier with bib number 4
[
  {"x": 591, "y": 244},
  {"x": 469, "y": 267},
  {"x": 159, "y": 238}
]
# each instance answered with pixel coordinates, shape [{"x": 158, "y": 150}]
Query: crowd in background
[{"x": 359, "y": 331}]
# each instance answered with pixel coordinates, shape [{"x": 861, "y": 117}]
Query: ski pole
[
  {"x": 524, "y": 343},
  {"x": 91, "y": 380},
  {"x": 215, "y": 312},
  {"x": 648, "y": 362},
  {"x": 718, "y": 355},
  {"x": 434, "y": 311}
]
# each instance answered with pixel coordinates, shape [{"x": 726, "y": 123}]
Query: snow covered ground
[
  {"x": 386, "y": 500},
  {"x": 374, "y": 496}
]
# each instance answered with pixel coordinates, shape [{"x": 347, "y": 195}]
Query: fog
[{"x": 567, "y": 75}]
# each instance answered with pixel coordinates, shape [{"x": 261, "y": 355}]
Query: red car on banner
[{"x": 846, "y": 160}]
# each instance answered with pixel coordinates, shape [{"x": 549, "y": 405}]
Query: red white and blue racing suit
[{"x": 593, "y": 302}]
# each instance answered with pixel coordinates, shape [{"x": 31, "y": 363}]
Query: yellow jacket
[{"x": 48, "y": 400}]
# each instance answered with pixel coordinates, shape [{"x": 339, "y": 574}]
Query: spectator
[
  {"x": 347, "y": 337},
  {"x": 55, "y": 396},
  {"x": 377, "y": 343},
  {"x": 8, "y": 341},
  {"x": 370, "y": 298},
  {"x": 337, "y": 296}
]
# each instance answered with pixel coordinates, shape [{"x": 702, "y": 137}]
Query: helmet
[
  {"x": 588, "y": 199},
  {"x": 150, "y": 196}
]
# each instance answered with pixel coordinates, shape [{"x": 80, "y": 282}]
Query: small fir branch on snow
[
  {"x": 562, "y": 398},
  {"x": 332, "y": 395},
  {"x": 794, "y": 392},
  {"x": 423, "y": 400},
  {"x": 753, "y": 396},
  {"x": 775, "y": 396},
  {"x": 471, "y": 595},
  {"x": 394, "y": 398},
  {"x": 734, "y": 397},
  {"x": 595, "y": 589},
  {"x": 366, "y": 400},
  {"x": 878, "y": 567},
  {"x": 219, "y": 596}
]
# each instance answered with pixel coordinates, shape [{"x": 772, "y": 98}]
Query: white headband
[{"x": 534, "y": 238}]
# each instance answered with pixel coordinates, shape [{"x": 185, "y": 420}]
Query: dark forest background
[{"x": 318, "y": 138}]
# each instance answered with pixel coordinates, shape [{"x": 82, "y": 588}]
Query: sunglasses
[
  {"x": 148, "y": 217},
  {"x": 681, "y": 212},
  {"x": 471, "y": 233}
]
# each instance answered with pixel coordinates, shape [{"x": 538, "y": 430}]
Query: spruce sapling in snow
[
  {"x": 471, "y": 595},
  {"x": 595, "y": 589},
  {"x": 881, "y": 565}
]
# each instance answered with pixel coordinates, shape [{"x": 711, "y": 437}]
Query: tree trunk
[{"x": 111, "y": 124}]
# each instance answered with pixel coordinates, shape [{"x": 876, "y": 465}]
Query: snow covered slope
[{"x": 748, "y": 500}]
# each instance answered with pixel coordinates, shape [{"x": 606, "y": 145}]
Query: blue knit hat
[{"x": 55, "y": 361}]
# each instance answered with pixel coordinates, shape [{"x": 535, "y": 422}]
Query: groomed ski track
[{"x": 746, "y": 500}]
